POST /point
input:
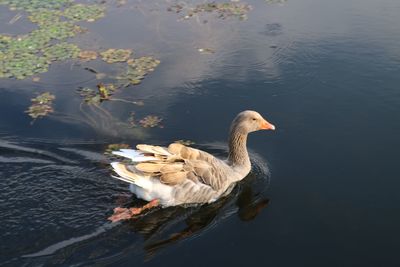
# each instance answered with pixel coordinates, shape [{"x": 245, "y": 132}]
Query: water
[{"x": 323, "y": 191}]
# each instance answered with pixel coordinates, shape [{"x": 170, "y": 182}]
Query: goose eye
[{"x": 254, "y": 119}]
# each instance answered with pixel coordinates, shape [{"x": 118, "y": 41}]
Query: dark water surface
[{"x": 326, "y": 73}]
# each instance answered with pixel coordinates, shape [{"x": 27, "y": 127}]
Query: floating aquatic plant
[
  {"x": 20, "y": 65},
  {"x": 60, "y": 30},
  {"x": 103, "y": 92},
  {"x": 45, "y": 16},
  {"x": 87, "y": 55},
  {"x": 29, "y": 54},
  {"x": 41, "y": 105},
  {"x": 137, "y": 69},
  {"x": 61, "y": 51},
  {"x": 89, "y": 95},
  {"x": 116, "y": 55},
  {"x": 33, "y": 5},
  {"x": 88, "y": 13},
  {"x": 151, "y": 121},
  {"x": 223, "y": 10}
]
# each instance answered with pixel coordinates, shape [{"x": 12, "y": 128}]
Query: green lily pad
[
  {"x": 21, "y": 65},
  {"x": 137, "y": 69},
  {"x": 32, "y": 5},
  {"x": 95, "y": 97},
  {"x": 45, "y": 16},
  {"x": 223, "y": 10},
  {"x": 88, "y": 13},
  {"x": 59, "y": 30},
  {"x": 61, "y": 51}
]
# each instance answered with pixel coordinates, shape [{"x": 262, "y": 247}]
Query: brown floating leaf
[
  {"x": 41, "y": 105},
  {"x": 87, "y": 55}
]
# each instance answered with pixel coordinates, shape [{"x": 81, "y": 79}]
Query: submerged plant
[
  {"x": 151, "y": 121},
  {"x": 41, "y": 105}
]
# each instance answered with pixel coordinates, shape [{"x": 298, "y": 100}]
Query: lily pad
[
  {"x": 89, "y": 95},
  {"x": 137, "y": 70},
  {"x": 32, "y": 5},
  {"x": 61, "y": 51},
  {"x": 59, "y": 30},
  {"x": 103, "y": 92},
  {"x": 116, "y": 55},
  {"x": 223, "y": 10},
  {"x": 21, "y": 65},
  {"x": 41, "y": 105},
  {"x": 45, "y": 16},
  {"x": 88, "y": 13},
  {"x": 87, "y": 55}
]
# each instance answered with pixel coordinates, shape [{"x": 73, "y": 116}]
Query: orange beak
[{"x": 265, "y": 125}]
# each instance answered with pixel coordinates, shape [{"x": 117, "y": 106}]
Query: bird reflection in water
[{"x": 155, "y": 226}]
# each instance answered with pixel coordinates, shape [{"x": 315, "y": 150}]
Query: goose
[{"x": 181, "y": 175}]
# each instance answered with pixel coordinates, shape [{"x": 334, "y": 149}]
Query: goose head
[{"x": 250, "y": 121}]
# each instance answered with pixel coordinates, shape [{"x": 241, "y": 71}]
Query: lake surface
[{"x": 324, "y": 187}]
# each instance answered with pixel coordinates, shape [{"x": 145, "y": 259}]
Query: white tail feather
[
  {"x": 122, "y": 179},
  {"x": 130, "y": 177}
]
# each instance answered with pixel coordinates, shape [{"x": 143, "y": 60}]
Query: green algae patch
[
  {"x": 41, "y": 105},
  {"x": 116, "y": 55},
  {"x": 80, "y": 12}
]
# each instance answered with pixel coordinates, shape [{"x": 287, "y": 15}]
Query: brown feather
[
  {"x": 173, "y": 178},
  {"x": 174, "y": 167},
  {"x": 150, "y": 167}
]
